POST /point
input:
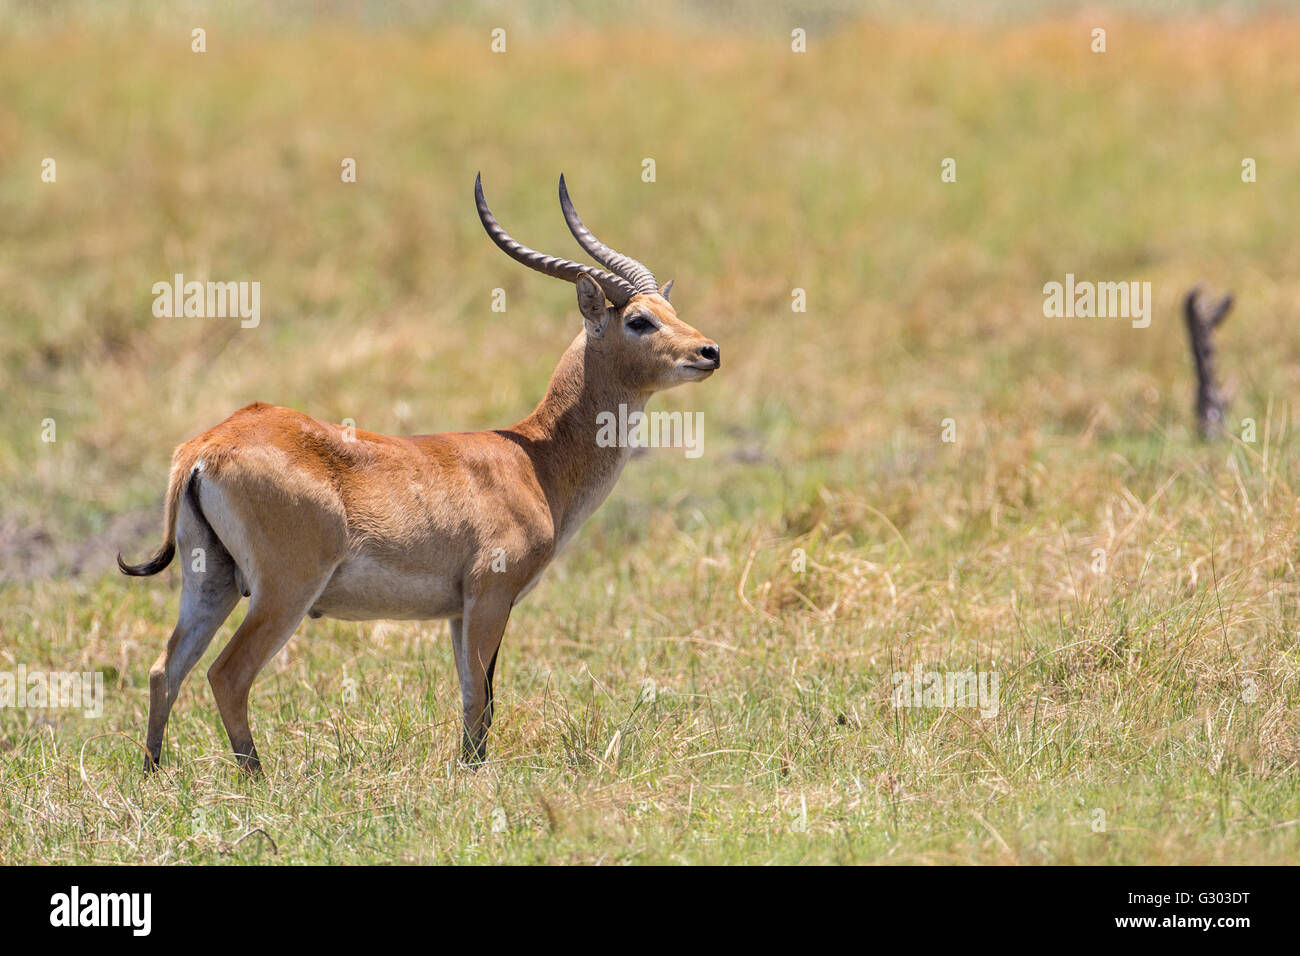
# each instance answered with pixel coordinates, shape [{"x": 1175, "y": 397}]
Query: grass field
[{"x": 678, "y": 689}]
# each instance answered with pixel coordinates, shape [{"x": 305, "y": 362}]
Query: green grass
[{"x": 770, "y": 734}]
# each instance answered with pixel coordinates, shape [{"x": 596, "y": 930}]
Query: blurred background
[{"x": 773, "y": 171}]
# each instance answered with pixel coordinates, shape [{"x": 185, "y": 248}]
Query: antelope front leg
[{"x": 475, "y": 639}]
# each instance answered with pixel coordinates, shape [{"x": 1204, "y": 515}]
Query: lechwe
[{"x": 306, "y": 518}]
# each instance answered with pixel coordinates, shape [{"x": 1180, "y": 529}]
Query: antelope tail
[{"x": 182, "y": 469}]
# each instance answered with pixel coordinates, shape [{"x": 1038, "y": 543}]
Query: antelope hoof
[
  {"x": 249, "y": 763},
  {"x": 473, "y": 756}
]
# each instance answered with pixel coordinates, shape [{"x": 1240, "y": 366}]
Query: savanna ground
[{"x": 676, "y": 689}]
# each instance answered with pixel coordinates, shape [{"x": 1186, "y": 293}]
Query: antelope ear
[
  {"x": 591, "y": 303},
  {"x": 666, "y": 290}
]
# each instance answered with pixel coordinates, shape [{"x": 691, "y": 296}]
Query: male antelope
[{"x": 306, "y": 519}]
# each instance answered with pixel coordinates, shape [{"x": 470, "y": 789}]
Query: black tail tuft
[{"x": 152, "y": 566}]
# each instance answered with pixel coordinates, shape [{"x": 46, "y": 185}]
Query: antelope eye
[{"x": 641, "y": 325}]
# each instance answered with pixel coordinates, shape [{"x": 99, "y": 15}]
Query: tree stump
[{"x": 1202, "y": 320}]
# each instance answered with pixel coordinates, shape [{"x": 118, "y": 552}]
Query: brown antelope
[{"x": 307, "y": 518}]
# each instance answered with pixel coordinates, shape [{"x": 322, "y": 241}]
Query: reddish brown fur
[{"x": 456, "y": 525}]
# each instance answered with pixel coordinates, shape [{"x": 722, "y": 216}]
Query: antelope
[{"x": 307, "y": 518}]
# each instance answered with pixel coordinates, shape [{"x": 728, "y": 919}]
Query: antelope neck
[{"x": 573, "y": 469}]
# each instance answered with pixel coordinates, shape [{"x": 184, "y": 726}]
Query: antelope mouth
[{"x": 699, "y": 371}]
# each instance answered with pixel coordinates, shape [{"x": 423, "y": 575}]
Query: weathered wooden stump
[{"x": 1202, "y": 320}]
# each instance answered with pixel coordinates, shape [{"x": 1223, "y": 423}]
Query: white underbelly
[{"x": 363, "y": 588}]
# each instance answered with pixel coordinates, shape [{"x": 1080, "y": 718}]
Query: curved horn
[
  {"x": 616, "y": 288},
  {"x": 625, "y": 266}
]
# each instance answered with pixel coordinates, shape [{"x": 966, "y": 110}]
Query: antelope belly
[{"x": 364, "y": 588}]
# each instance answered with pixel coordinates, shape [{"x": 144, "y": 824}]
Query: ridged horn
[
  {"x": 624, "y": 266},
  {"x": 617, "y": 289}
]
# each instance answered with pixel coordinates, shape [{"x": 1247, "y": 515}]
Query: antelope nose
[{"x": 710, "y": 353}]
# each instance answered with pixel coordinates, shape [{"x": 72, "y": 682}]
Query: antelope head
[{"x": 632, "y": 331}]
